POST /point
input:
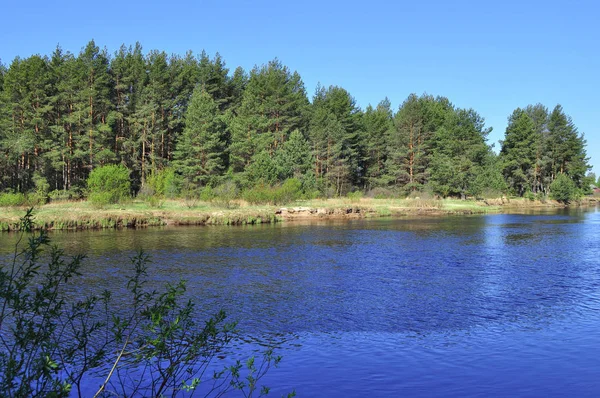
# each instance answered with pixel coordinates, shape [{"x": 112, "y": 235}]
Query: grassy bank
[{"x": 83, "y": 215}]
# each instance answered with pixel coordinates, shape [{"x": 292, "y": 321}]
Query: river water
[{"x": 498, "y": 305}]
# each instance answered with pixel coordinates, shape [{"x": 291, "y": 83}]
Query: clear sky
[{"x": 492, "y": 56}]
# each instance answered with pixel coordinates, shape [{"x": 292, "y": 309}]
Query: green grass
[{"x": 85, "y": 215}]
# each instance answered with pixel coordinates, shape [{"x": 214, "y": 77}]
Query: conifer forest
[{"x": 63, "y": 115}]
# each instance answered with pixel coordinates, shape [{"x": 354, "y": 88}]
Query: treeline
[{"x": 61, "y": 116}]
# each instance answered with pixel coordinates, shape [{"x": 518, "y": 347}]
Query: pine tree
[
  {"x": 200, "y": 153},
  {"x": 566, "y": 148},
  {"x": 518, "y": 153},
  {"x": 95, "y": 107},
  {"x": 336, "y": 130},
  {"x": 459, "y": 154},
  {"x": 150, "y": 123},
  {"x": 273, "y": 105},
  {"x": 184, "y": 77},
  {"x": 411, "y": 140},
  {"x": 377, "y": 124},
  {"x": 5, "y": 181},
  {"x": 295, "y": 157},
  {"x": 539, "y": 115},
  {"x": 213, "y": 76},
  {"x": 64, "y": 82},
  {"x": 128, "y": 70},
  {"x": 408, "y": 140},
  {"x": 237, "y": 86},
  {"x": 26, "y": 88}
]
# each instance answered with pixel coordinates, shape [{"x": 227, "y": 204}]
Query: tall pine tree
[{"x": 200, "y": 153}]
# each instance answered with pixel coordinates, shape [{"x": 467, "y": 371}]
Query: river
[{"x": 505, "y": 304}]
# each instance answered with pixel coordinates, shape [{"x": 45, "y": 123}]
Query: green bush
[
  {"x": 40, "y": 195},
  {"x": 159, "y": 186},
  {"x": 59, "y": 195},
  {"x": 259, "y": 194},
  {"x": 163, "y": 183},
  {"x": 541, "y": 197},
  {"x": 207, "y": 194},
  {"x": 529, "y": 195},
  {"x": 355, "y": 196},
  {"x": 225, "y": 193},
  {"x": 109, "y": 185},
  {"x": 12, "y": 199},
  {"x": 381, "y": 193},
  {"x": 563, "y": 189},
  {"x": 289, "y": 191}
]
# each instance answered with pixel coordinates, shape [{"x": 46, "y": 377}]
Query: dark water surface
[{"x": 456, "y": 306}]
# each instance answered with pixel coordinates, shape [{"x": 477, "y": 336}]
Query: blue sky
[{"x": 491, "y": 56}]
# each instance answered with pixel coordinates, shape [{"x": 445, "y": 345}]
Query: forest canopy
[{"x": 63, "y": 115}]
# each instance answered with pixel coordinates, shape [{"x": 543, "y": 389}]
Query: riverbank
[{"x": 83, "y": 215}]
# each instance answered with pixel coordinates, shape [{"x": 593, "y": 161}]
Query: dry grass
[{"x": 84, "y": 215}]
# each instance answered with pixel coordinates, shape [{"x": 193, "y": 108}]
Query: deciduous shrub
[
  {"x": 163, "y": 183},
  {"x": 12, "y": 199},
  {"x": 109, "y": 184},
  {"x": 287, "y": 192},
  {"x": 381, "y": 193},
  {"x": 59, "y": 195},
  {"x": 225, "y": 193},
  {"x": 40, "y": 195},
  {"x": 355, "y": 196},
  {"x": 563, "y": 189},
  {"x": 207, "y": 194}
]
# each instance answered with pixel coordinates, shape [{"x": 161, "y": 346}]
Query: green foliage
[
  {"x": 381, "y": 193},
  {"x": 225, "y": 193},
  {"x": 12, "y": 199},
  {"x": 518, "y": 154},
  {"x": 538, "y": 147},
  {"x": 566, "y": 148},
  {"x": 188, "y": 114},
  {"x": 207, "y": 194},
  {"x": 411, "y": 139},
  {"x": 264, "y": 169},
  {"x": 163, "y": 183},
  {"x": 109, "y": 184},
  {"x": 159, "y": 186},
  {"x": 159, "y": 332},
  {"x": 273, "y": 104},
  {"x": 287, "y": 192},
  {"x": 336, "y": 132},
  {"x": 62, "y": 195},
  {"x": 355, "y": 196},
  {"x": 42, "y": 188},
  {"x": 200, "y": 153},
  {"x": 295, "y": 158},
  {"x": 259, "y": 194},
  {"x": 460, "y": 153},
  {"x": 563, "y": 189},
  {"x": 529, "y": 196},
  {"x": 589, "y": 181},
  {"x": 489, "y": 182},
  {"x": 377, "y": 124}
]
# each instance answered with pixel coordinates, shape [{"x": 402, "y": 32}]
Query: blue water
[{"x": 502, "y": 305}]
